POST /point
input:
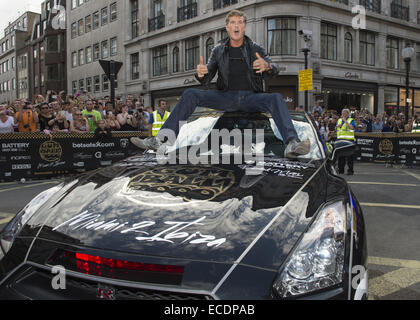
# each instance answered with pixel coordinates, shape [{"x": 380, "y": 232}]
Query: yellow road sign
[{"x": 305, "y": 80}]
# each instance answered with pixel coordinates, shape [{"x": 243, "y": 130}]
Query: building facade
[
  {"x": 47, "y": 50},
  {"x": 95, "y": 31},
  {"x": 353, "y": 65},
  {"x": 15, "y": 38}
]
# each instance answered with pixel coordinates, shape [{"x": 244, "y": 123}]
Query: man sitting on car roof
[{"x": 241, "y": 65}]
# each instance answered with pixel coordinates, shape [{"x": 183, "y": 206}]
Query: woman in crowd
[
  {"x": 79, "y": 124},
  {"x": 111, "y": 121},
  {"x": 6, "y": 122},
  {"x": 46, "y": 117}
]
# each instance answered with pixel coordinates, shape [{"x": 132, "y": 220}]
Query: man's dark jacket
[{"x": 219, "y": 62}]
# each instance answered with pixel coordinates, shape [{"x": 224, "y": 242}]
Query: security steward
[
  {"x": 345, "y": 131},
  {"x": 158, "y": 118}
]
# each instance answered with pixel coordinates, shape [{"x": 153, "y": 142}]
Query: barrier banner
[
  {"x": 400, "y": 148},
  {"x": 30, "y": 155}
]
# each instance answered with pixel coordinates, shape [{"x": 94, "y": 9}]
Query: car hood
[{"x": 210, "y": 213}]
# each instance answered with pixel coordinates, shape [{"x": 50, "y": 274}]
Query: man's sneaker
[
  {"x": 297, "y": 148},
  {"x": 146, "y": 144}
]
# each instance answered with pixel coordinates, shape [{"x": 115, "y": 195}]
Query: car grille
[{"x": 36, "y": 283}]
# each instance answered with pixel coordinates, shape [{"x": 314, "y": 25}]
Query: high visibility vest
[
  {"x": 416, "y": 127},
  {"x": 344, "y": 132},
  {"x": 28, "y": 123},
  {"x": 158, "y": 121}
]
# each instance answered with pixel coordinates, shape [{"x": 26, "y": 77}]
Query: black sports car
[{"x": 219, "y": 215}]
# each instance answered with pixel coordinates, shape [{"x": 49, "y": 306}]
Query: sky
[{"x": 10, "y": 10}]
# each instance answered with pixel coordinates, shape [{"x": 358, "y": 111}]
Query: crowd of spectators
[
  {"x": 326, "y": 120},
  {"x": 75, "y": 113}
]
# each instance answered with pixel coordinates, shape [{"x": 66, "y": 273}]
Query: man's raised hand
[
  {"x": 260, "y": 65},
  {"x": 202, "y": 68}
]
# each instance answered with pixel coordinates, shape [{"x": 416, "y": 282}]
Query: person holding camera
[
  {"x": 79, "y": 124},
  {"x": 126, "y": 119},
  {"x": 46, "y": 117},
  {"x": 91, "y": 115},
  {"x": 26, "y": 118}
]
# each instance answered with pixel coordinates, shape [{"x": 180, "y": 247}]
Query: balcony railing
[
  {"x": 218, "y": 4},
  {"x": 400, "y": 12},
  {"x": 371, "y": 5},
  {"x": 187, "y": 12},
  {"x": 157, "y": 22}
]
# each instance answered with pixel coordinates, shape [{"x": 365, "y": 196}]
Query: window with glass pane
[
  {"x": 175, "y": 60},
  {"x": 53, "y": 72},
  {"x": 73, "y": 30},
  {"x": 209, "y": 48},
  {"x": 52, "y": 44},
  {"x": 114, "y": 46},
  {"x": 105, "y": 83},
  {"x": 81, "y": 57},
  {"x": 113, "y": 11},
  {"x": 328, "y": 41},
  {"x": 89, "y": 84},
  {"x": 95, "y": 20},
  {"x": 97, "y": 84},
  {"x": 224, "y": 35},
  {"x": 74, "y": 86},
  {"x": 192, "y": 53},
  {"x": 104, "y": 16},
  {"x": 135, "y": 24},
  {"x": 160, "y": 61},
  {"x": 135, "y": 72},
  {"x": 74, "y": 59},
  {"x": 367, "y": 48},
  {"x": 282, "y": 37},
  {"x": 80, "y": 27},
  {"x": 88, "y": 54},
  {"x": 104, "y": 49},
  {"x": 392, "y": 52},
  {"x": 96, "y": 52},
  {"x": 88, "y": 23},
  {"x": 418, "y": 57},
  {"x": 348, "y": 47},
  {"x": 81, "y": 84}
]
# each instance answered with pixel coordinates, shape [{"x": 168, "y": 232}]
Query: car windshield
[{"x": 228, "y": 133}]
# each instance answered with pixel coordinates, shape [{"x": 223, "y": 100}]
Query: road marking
[
  {"x": 412, "y": 174},
  {"x": 27, "y": 186},
  {"x": 384, "y": 183},
  {"x": 389, "y": 205},
  {"x": 394, "y": 281},
  {"x": 407, "y": 275},
  {"x": 411, "y": 264},
  {"x": 7, "y": 219}
]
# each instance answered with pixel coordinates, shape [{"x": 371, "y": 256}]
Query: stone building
[{"x": 361, "y": 67}]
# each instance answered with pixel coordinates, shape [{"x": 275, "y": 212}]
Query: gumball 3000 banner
[
  {"x": 401, "y": 148},
  {"x": 30, "y": 155}
]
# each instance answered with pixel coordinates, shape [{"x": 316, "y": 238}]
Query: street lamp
[
  {"x": 407, "y": 54},
  {"x": 307, "y": 37}
]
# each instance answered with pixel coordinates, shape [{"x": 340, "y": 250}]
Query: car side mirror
[{"x": 342, "y": 148}]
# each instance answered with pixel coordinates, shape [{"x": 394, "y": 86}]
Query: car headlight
[
  {"x": 9, "y": 233},
  {"x": 318, "y": 260}
]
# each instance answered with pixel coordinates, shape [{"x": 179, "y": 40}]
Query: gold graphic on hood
[{"x": 196, "y": 183}]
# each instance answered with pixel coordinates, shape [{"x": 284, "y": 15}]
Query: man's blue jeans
[{"x": 231, "y": 101}]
